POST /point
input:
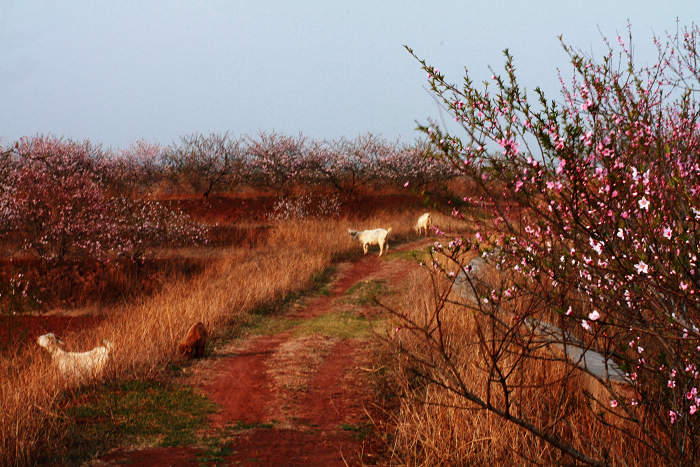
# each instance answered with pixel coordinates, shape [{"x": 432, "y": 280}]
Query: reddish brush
[{"x": 195, "y": 342}]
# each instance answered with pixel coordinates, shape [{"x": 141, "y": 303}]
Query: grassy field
[
  {"x": 238, "y": 289},
  {"x": 37, "y": 407}
]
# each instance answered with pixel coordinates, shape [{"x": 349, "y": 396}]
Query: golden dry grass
[
  {"x": 145, "y": 335},
  {"x": 434, "y": 425}
]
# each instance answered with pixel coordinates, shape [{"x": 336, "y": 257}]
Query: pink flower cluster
[
  {"x": 599, "y": 197},
  {"x": 58, "y": 203}
]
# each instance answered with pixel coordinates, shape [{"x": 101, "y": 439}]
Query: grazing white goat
[
  {"x": 76, "y": 365},
  {"x": 372, "y": 237},
  {"x": 424, "y": 223}
]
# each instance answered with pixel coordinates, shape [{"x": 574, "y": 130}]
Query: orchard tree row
[
  {"x": 206, "y": 164},
  {"x": 54, "y": 202},
  {"x": 65, "y": 199}
]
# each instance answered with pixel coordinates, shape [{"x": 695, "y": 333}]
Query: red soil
[
  {"x": 239, "y": 383},
  {"x": 322, "y": 421},
  {"x": 171, "y": 456}
]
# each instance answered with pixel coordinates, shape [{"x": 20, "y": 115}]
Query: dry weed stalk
[{"x": 459, "y": 377}]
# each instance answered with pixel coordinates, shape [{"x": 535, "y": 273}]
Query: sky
[{"x": 114, "y": 72}]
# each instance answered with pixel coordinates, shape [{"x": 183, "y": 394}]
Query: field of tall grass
[
  {"x": 145, "y": 333},
  {"x": 434, "y": 425}
]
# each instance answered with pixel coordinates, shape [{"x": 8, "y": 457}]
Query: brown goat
[{"x": 195, "y": 342}]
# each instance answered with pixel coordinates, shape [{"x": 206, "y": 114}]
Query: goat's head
[
  {"x": 353, "y": 233},
  {"x": 49, "y": 341}
]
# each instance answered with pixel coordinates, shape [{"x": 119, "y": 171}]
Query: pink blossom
[
  {"x": 560, "y": 168},
  {"x": 642, "y": 267},
  {"x": 601, "y": 169},
  {"x": 644, "y": 203}
]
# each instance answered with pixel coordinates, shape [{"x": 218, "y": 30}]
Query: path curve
[{"x": 292, "y": 398}]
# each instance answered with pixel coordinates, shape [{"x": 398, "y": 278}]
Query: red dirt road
[{"x": 291, "y": 398}]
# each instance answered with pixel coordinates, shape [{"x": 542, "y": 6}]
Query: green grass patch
[
  {"x": 240, "y": 426},
  {"x": 344, "y": 325},
  {"x": 420, "y": 255},
  {"x": 144, "y": 413},
  {"x": 216, "y": 454},
  {"x": 268, "y": 318},
  {"x": 319, "y": 285},
  {"x": 365, "y": 292},
  {"x": 269, "y": 324},
  {"x": 219, "y": 446},
  {"x": 321, "y": 282}
]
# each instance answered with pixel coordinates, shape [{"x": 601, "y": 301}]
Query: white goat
[
  {"x": 372, "y": 237},
  {"x": 76, "y": 365},
  {"x": 424, "y": 223}
]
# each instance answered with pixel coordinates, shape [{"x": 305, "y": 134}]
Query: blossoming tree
[
  {"x": 596, "y": 208},
  {"x": 135, "y": 169},
  {"x": 54, "y": 199},
  {"x": 206, "y": 162}
]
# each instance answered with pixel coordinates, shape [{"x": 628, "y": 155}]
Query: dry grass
[
  {"x": 145, "y": 335},
  {"x": 437, "y": 426}
]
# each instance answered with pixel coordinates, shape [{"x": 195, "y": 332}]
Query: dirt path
[{"x": 295, "y": 391}]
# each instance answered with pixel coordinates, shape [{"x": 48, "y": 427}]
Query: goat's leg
[{"x": 365, "y": 247}]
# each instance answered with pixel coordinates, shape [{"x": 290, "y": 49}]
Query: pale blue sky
[{"x": 122, "y": 70}]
